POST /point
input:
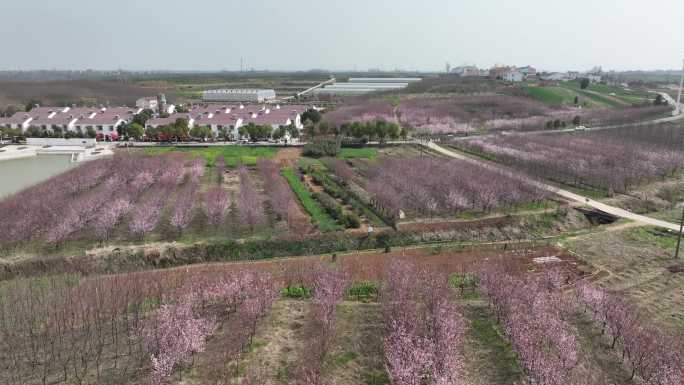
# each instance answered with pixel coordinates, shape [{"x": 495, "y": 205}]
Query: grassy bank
[
  {"x": 232, "y": 154},
  {"x": 319, "y": 217}
]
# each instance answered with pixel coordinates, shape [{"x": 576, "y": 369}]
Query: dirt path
[
  {"x": 571, "y": 196},
  {"x": 277, "y": 342},
  {"x": 288, "y": 156},
  {"x": 356, "y": 354}
]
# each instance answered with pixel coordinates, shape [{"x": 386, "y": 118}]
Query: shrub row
[
  {"x": 122, "y": 259},
  {"x": 322, "y": 147},
  {"x": 363, "y": 291},
  {"x": 296, "y": 292},
  {"x": 335, "y": 210},
  {"x": 334, "y": 189},
  {"x": 319, "y": 218}
]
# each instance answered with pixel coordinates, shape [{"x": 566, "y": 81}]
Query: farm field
[
  {"x": 152, "y": 198},
  {"x": 399, "y": 187},
  {"x": 67, "y": 92},
  {"x": 616, "y": 160},
  {"x": 351, "y": 320},
  {"x": 468, "y": 114},
  {"x": 170, "y": 208},
  {"x": 341, "y": 193},
  {"x": 333, "y": 314},
  {"x": 660, "y": 198},
  {"x": 178, "y": 88},
  {"x": 232, "y": 155},
  {"x": 638, "y": 262},
  {"x": 594, "y": 96},
  {"x": 190, "y": 86}
]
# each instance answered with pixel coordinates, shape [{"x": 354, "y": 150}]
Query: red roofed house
[
  {"x": 231, "y": 118},
  {"x": 104, "y": 120}
]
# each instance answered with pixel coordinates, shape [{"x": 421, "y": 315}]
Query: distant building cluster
[
  {"x": 358, "y": 86},
  {"x": 519, "y": 74},
  {"x": 103, "y": 120},
  {"x": 507, "y": 73},
  {"x": 239, "y": 95},
  {"x": 512, "y": 73},
  {"x": 230, "y": 118},
  {"x": 468, "y": 72},
  {"x": 156, "y": 104}
]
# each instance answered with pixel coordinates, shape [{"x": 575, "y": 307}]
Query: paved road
[{"x": 563, "y": 193}]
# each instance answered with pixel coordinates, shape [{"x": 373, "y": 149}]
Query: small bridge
[{"x": 597, "y": 216}]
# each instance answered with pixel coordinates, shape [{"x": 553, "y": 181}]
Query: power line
[
  {"x": 679, "y": 95},
  {"x": 679, "y": 239}
]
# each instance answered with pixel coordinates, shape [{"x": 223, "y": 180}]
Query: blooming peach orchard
[{"x": 610, "y": 159}]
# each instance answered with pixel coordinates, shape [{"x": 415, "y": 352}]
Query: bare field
[
  {"x": 88, "y": 92},
  {"x": 635, "y": 261}
]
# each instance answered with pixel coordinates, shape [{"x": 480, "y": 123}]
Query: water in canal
[{"x": 18, "y": 174}]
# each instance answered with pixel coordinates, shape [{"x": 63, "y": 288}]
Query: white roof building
[
  {"x": 238, "y": 95},
  {"x": 513, "y": 76},
  {"x": 466, "y": 71},
  {"x": 357, "y": 86}
]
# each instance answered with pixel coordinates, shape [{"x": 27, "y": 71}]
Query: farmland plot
[
  {"x": 137, "y": 198},
  {"x": 612, "y": 160}
]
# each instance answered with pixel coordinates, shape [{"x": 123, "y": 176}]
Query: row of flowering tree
[
  {"x": 653, "y": 354},
  {"x": 536, "y": 319},
  {"x": 424, "y": 329},
  {"x": 251, "y": 206},
  {"x": 175, "y": 332},
  {"x": 435, "y": 186},
  {"x": 282, "y": 200},
  {"x": 64, "y": 329},
  {"x": 92, "y": 199},
  {"x": 329, "y": 287},
  {"x": 462, "y": 114},
  {"x": 123, "y": 328}
]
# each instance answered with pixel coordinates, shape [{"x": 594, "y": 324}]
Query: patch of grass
[
  {"x": 467, "y": 215},
  {"x": 345, "y": 358},
  {"x": 297, "y": 292},
  {"x": 606, "y": 361},
  {"x": 147, "y": 305},
  {"x": 319, "y": 217},
  {"x": 462, "y": 280},
  {"x": 588, "y": 192},
  {"x": 672, "y": 194},
  {"x": 465, "y": 284},
  {"x": 495, "y": 357},
  {"x": 352, "y": 153},
  {"x": 306, "y": 162},
  {"x": 363, "y": 291},
  {"x": 375, "y": 377},
  {"x": 653, "y": 236},
  {"x": 257, "y": 344},
  {"x": 514, "y": 209},
  {"x": 547, "y": 95},
  {"x": 232, "y": 154}
]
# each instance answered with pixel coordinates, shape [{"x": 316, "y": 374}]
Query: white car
[{"x": 580, "y": 128}]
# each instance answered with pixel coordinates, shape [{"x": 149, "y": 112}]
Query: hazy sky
[{"x": 340, "y": 34}]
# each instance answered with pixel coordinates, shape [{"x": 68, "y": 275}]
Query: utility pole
[
  {"x": 679, "y": 239},
  {"x": 679, "y": 96}
]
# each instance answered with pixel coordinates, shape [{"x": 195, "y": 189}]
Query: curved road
[{"x": 618, "y": 212}]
